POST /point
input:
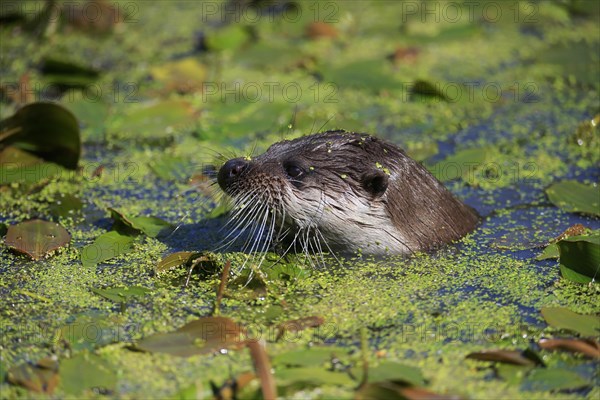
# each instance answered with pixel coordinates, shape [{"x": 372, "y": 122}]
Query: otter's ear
[{"x": 375, "y": 182}]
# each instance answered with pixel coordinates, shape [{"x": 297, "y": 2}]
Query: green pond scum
[{"x": 114, "y": 114}]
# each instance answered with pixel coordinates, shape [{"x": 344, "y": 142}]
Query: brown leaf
[
  {"x": 514, "y": 357},
  {"x": 37, "y": 238},
  {"x": 317, "y": 30},
  {"x": 37, "y": 378},
  {"x": 201, "y": 336},
  {"x": 404, "y": 55},
  {"x": 589, "y": 347}
]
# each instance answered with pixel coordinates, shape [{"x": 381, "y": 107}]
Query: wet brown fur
[{"x": 359, "y": 192}]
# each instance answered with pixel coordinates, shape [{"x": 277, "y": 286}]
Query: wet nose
[{"x": 230, "y": 171}]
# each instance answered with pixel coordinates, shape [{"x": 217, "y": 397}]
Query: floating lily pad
[
  {"x": 105, "y": 247},
  {"x": 150, "y": 226},
  {"x": 201, "y": 336},
  {"x": 392, "y": 371},
  {"x": 184, "y": 76},
  {"x": 157, "y": 120},
  {"x": 47, "y": 130},
  {"x": 229, "y": 38},
  {"x": 562, "y": 318},
  {"x": 573, "y": 196},
  {"x": 29, "y": 174},
  {"x": 546, "y": 379},
  {"x": 84, "y": 372},
  {"x": 37, "y": 238},
  {"x": 91, "y": 112},
  {"x": 311, "y": 357},
  {"x": 171, "y": 168},
  {"x": 65, "y": 205},
  {"x": 42, "y": 377},
  {"x": 91, "y": 330}
]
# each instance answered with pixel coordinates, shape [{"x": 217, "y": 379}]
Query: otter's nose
[{"x": 231, "y": 171}]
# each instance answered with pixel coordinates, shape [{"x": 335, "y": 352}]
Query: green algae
[{"x": 428, "y": 311}]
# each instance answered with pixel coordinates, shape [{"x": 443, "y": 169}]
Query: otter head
[{"x": 330, "y": 191}]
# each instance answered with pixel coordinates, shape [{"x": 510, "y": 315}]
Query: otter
[{"x": 344, "y": 192}]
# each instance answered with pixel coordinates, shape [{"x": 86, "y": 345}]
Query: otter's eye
[{"x": 293, "y": 171}]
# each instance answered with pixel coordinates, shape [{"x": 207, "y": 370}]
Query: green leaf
[
  {"x": 562, "y": 318},
  {"x": 580, "y": 257},
  {"x": 171, "y": 168},
  {"x": 28, "y": 174},
  {"x": 90, "y": 112},
  {"x": 314, "y": 356},
  {"x": 175, "y": 260},
  {"x": 37, "y": 238},
  {"x": 201, "y": 336},
  {"x": 392, "y": 371},
  {"x": 65, "y": 205},
  {"x": 91, "y": 330},
  {"x": 84, "y": 372},
  {"x": 47, "y": 130},
  {"x": 105, "y": 247},
  {"x": 551, "y": 251},
  {"x": 546, "y": 379},
  {"x": 229, "y": 38},
  {"x": 122, "y": 294},
  {"x": 573, "y": 196},
  {"x": 67, "y": 73},
  {"x": 150, "y": 226},
  {"x": 157, "y": 120}
]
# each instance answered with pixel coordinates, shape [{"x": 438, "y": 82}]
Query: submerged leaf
[
  {"x": 86, "y": 371},
  {"x": 201, "y": 336},
  {"x": 562, "y": 318},
  {"x": 41, "y": 378},
  {"x": 545, "y": 379},
  {"x": 573, "y": 196},
  {"x": 105, "y": 247},
  {"x": 392, "y": 371},
  {"x": 122, "y": 294},
  {"x": 37, "y": 238}
]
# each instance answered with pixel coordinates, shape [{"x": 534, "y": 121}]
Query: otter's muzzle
[{"x": 230, "y": 172}]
